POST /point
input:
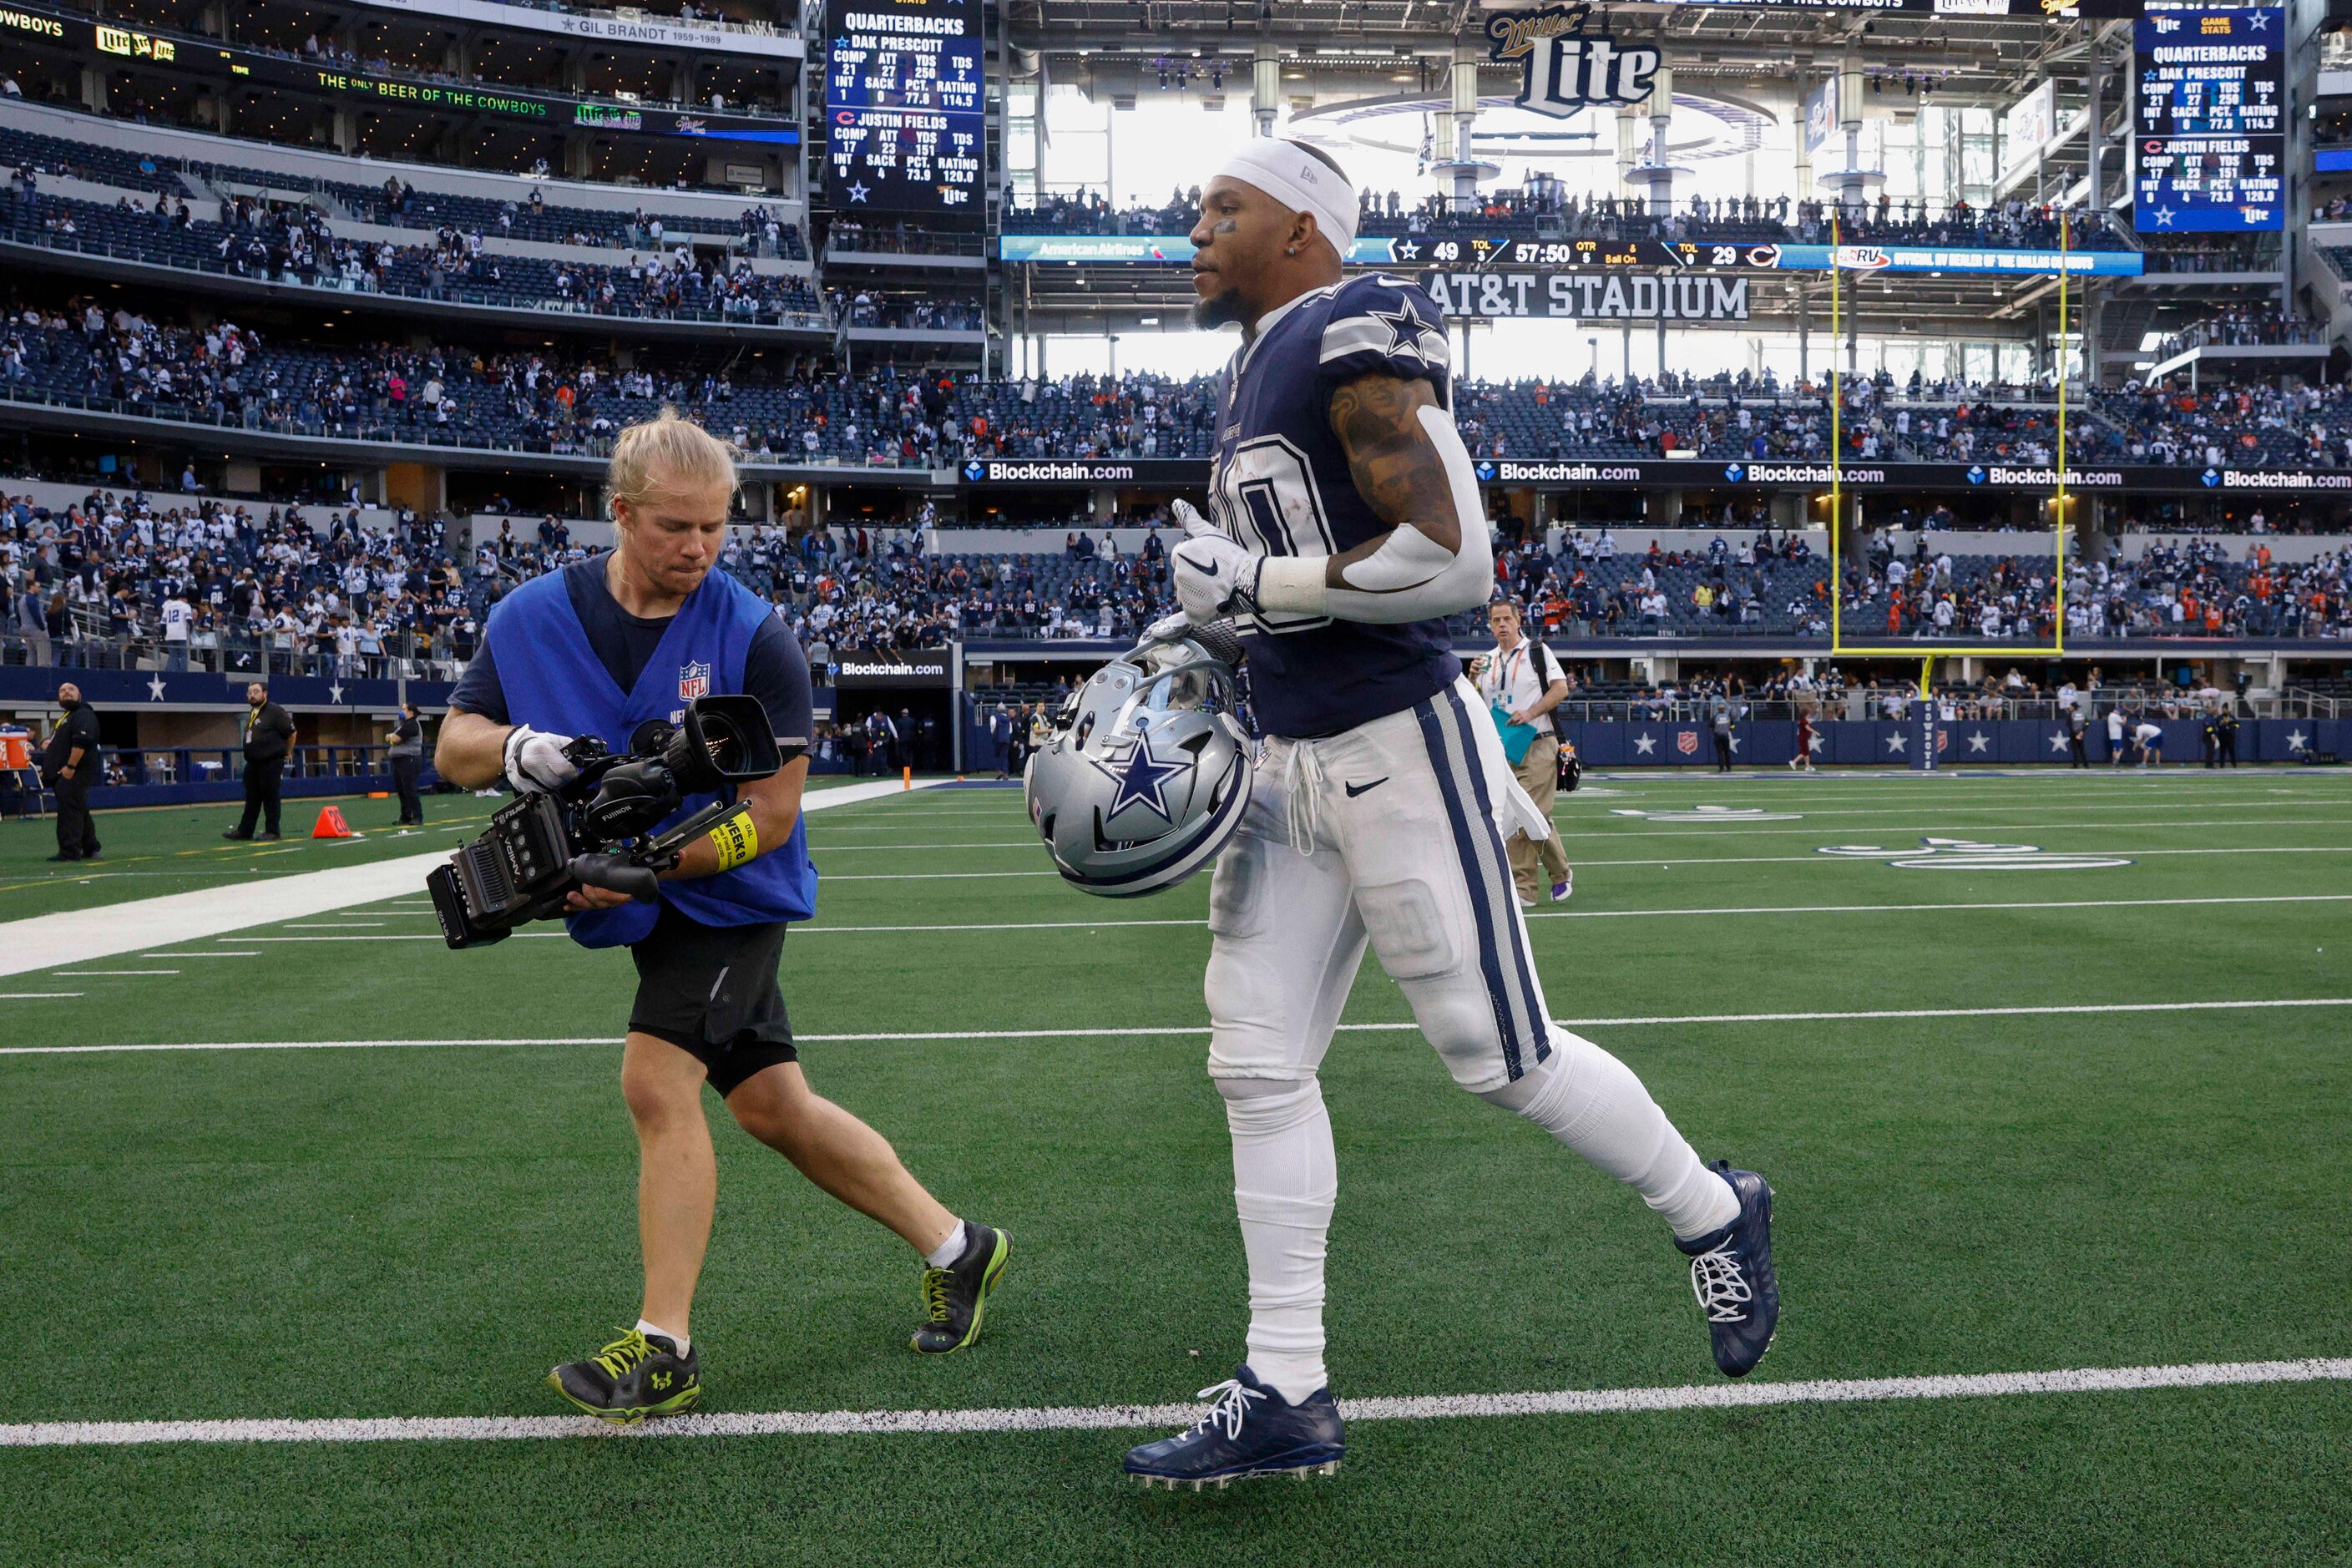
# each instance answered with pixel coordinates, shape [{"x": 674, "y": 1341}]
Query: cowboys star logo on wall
[
  {"x": 1563, "y": 68},
  {"x": 1142, "y": 776},
  {"x": 693, "y": 681}
]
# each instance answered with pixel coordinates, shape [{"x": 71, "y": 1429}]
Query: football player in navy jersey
[{"x": 1344, "y": 526}]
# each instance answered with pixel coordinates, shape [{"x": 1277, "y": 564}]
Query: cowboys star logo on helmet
[
  {"x": 1148, "y": 770},
  {"x": 1142, "y": 777}
]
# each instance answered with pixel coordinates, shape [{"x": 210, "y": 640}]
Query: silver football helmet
[{"x": 1148, "y": 770}]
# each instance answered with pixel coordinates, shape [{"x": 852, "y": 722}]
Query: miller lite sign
[{"x": 1562, "y": 67}]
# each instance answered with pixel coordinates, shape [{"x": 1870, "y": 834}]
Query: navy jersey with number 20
[{"x": 1282, "y": 487}]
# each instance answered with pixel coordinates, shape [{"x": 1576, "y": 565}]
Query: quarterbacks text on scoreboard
[
  {"x": 903, "y": 104},
  {"x": 2208, "y": 144}
]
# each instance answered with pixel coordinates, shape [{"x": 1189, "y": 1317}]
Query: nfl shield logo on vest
[
  {"x": 693, "y": 681},
  {"x": 1687, "y": 743}
]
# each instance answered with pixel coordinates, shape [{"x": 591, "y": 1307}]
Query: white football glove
[
  {"x": 535, "y": 761},
  {"x": 1211, "y": 570},
  {"x": 1167, "y": 626}
]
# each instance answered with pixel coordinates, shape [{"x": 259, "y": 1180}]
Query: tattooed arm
[{"x": 1411, "y": 469}]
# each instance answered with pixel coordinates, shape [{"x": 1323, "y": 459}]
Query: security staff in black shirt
[
  {"x": 69, "y": 767},
  {"x": 407, "y": 752},
  {"x": 268, "y": 739}
]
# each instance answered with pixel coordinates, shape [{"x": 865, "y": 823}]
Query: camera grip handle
[{"x": 615, "y": 875}]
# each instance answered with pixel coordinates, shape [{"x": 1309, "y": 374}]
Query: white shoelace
[
  {"x": 1302, "y": 781},
  {"x": 1721, "y": 1285},
  {"x": 1231, "y": 1407}
]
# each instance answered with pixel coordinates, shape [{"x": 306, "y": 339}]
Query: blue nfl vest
[{"x": 554, "y": 680}]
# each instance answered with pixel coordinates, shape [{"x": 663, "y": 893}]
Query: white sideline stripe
[
  {"x": 109, "y": 930},
  {"x": 1809, "y": 805},
  {"x": 35, "y": 995},
  {"x": 1099, "y": 1417},
  {"x": 2134, "y": 851},
  {"x": 85, "y": 974},
  {"x": 1178, "y": 1030},
  {"x": 1730, "y": 829},
  {"x": 808, "y": 930}
]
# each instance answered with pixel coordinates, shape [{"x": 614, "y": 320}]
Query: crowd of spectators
[
  {"x": 541, "y": 400},
  {"x": 2260, "y": 325},
  {"x": 292, "y": 242},
  {"x": 400, "y": 204},
  {"x": 2167, "y": 591},
  {"x": 2212, "y": 253},
  {"x": 226, "y": 586},
  {"x": 899, "y": 238},
  {"x": 919, "y": 313},
  {"x": 551, "y": 401},
  {"x": 2248, "y": 424},
  {"x": 1549, "y": 210}
]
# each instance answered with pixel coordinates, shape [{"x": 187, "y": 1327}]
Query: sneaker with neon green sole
[
  {"x": 636, "y": 1376},
  {"x": 955, "y": 1298}
]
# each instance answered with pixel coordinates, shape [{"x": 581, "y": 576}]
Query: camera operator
[
  {"x": 70, "y": 766},
  {"x": 601, "y": 648},
  {"x": 268, "y": 741}
]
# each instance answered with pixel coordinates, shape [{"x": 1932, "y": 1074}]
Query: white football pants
[{"x": 1391, "y": 835}]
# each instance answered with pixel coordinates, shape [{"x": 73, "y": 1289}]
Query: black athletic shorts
[{"x": 712, "y": 991}]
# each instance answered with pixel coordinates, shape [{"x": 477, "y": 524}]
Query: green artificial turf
[
  {"x": 152, "y": 850},
  {"x": 422, "y": 1230}
]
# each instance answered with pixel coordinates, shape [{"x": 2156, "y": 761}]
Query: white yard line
[
  {"x": 109, "y": 930},
  {"x": 1174, "y": 1031},
  {"x": 811, "y": 931},
  {"x": 85, "y": 973},
  {"x": 1809, "y": 805},
  {"x": 1583, "y": 865},
  {"x": 1731, "y": 827},
  {"x": 36, "y": 996},
  {"x": 1102, "y": 1417}
]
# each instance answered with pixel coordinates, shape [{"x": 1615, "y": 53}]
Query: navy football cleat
[
  {"x": 1731, "y": 1274},
  {"x": 1247, "y": 1431}
]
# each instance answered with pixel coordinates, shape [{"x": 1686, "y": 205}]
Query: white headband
[{"x": 1301, "y": 181}]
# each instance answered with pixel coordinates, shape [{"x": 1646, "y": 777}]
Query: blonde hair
[{"x": 666, "y": 455}]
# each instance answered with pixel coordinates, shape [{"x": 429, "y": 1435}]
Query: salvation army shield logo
[
  {"x": 693, "y": 681},
  {"x": 1687, "y": 743}
]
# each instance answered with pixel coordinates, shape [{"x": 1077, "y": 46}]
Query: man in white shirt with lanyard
[{"x": 1522, "y": 681}]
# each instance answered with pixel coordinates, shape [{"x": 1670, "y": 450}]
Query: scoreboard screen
[
  {"x": 2209, "y": 121},
  {"x": 903, "y": 104}
]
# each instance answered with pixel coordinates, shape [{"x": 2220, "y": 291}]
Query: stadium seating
[
  {"x": 890, "y": 417},
  {"x": 1725, "y": 221},
  {"x": 393, "y": 203},
  {"x": 260, "y": 242}
]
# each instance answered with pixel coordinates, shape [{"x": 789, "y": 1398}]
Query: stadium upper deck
[{"x": 420, "y": 319}]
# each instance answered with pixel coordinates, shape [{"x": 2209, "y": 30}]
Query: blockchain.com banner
[{"x": 1716, "y": 473}]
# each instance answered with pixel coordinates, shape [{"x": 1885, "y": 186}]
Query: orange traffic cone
[{"x": 331, "y": 823}]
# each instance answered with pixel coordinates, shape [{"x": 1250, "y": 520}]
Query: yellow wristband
[{"x": 736, "y": 840}]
